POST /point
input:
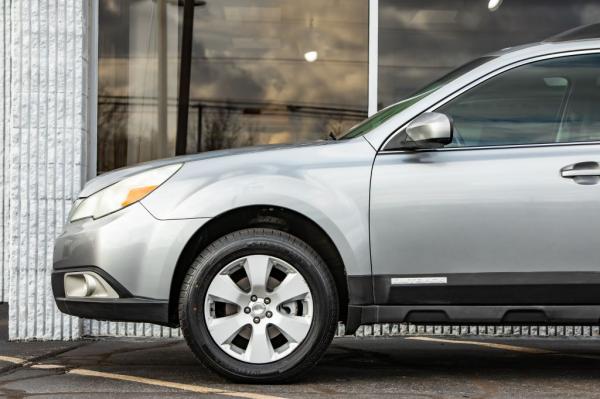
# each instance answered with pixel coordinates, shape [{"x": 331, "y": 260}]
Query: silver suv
[{"x": 476, "y": 200}]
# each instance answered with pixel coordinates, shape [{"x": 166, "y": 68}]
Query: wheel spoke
[
  {"x": 259, "y": 349},
  {"x": 294, "y": 328},
  {"x": 258, "y": 268},
  {"x": 292, "y": 287},
  {"x": 223, "y": 329},
  {"x": 224, "y": 289}
]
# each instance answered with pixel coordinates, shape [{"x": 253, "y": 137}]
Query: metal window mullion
[
  {"x": 91, "y": 155},
  {"x": 373, "y": 54}
]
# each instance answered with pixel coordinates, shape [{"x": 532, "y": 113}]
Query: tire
[{"x": 286, "y": 356}]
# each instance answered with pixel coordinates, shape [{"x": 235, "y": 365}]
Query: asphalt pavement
[
  {"x": 367, "y": 367},
  {"x": 415, "y": 367}
]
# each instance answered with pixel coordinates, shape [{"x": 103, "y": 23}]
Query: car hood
[{"x": 112, "y": 177}]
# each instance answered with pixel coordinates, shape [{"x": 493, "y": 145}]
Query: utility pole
[{"x": 159, "y": 146}]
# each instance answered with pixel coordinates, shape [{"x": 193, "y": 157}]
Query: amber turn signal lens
[{"x": 136, "y": 194}]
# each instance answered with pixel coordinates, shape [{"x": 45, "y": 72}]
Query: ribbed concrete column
[
  {"x": 46, "y": 132},
  {"x": 4, "y": 114}
]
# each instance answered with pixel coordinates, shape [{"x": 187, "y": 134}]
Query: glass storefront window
[
  {"x": 421, "y": 40},
  {"x": 138, "y": 64},
  {"x": 279, "y": 71},
  {"x": 262, "y": 72}
]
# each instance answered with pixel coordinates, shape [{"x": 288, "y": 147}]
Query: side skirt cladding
[{"x": 491, "y": 298}]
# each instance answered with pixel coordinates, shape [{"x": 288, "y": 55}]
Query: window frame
[{"x": 480, "y": 80}]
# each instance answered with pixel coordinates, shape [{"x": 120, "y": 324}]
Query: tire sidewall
[{"x": 282, "y": 246}]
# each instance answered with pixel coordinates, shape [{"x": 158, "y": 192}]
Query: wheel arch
[{"x": 275, "y": 217}]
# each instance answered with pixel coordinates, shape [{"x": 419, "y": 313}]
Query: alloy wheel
[{"x": 258, "y": 309}]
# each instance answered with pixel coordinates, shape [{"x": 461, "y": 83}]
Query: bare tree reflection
[
  {"x": 112, "y": 132},
  {"x": 337, "y": 124},
  {"x": 216, "y": 125},
  {"x": 219, "y": 130}
]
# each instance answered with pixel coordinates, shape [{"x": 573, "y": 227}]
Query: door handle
[{"x": 582, "y": 172}]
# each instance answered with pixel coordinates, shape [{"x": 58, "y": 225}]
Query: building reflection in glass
[
  {"x": 262, "y": 72},
  {"x": 421, "y": 40}
]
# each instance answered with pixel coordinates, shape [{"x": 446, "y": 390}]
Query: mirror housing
[{"x": 429, "y": 130}]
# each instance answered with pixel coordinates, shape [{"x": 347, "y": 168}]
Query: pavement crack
[{"x": 36, "y": 359}]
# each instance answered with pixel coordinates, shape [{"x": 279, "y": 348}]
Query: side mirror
[{"x": 429, "y": 130}]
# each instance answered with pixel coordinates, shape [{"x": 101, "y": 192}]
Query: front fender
[{"x": 329, "y": 184}]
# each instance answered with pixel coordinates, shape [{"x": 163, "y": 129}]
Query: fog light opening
[{"x": 87, "y": 285}]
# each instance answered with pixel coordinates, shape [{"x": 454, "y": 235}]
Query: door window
[{"x": 548, "y": 101}]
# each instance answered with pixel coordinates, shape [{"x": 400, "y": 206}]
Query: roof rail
[{"x": 581, "y": 32}]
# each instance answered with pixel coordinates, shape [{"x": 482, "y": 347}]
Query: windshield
[{"x": 380, "y": 117}]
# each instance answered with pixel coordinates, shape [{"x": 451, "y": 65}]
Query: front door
[{"x": 509, "y": 213}]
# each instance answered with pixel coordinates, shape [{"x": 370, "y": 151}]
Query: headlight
[{"x": 124, "y": 193}]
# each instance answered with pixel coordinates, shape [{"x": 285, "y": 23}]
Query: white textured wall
[
  {"x": 44, "y": 131},
  {"x": 404, "y": 329},
  {"x": 102, "y": 328},
  {"x": 45, "y": 134},
  {"x": 4, "y": 113}
]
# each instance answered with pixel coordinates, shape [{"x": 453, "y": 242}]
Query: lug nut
[
  {"x": 267, "y": 301},
  {"x": 246, "y": 309},
  {"x": 253, "y": 298},
  {"x": 256, "y": 320},
  {"x": 269, "y": 313}
]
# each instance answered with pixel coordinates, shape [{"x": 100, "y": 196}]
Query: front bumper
[
  {"x": 126, "y": 307},
  {"x": 134, "y": 252}
]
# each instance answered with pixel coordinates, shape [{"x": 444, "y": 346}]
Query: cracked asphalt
[{"x": 435, "y": 367}]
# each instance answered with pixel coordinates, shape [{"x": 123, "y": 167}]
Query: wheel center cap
[{"x": 258, "y": 309}]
